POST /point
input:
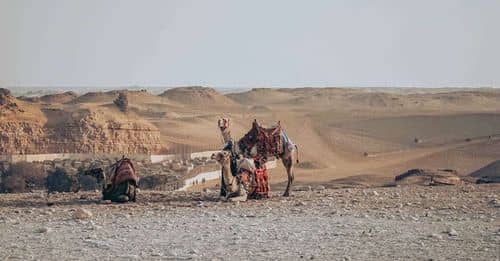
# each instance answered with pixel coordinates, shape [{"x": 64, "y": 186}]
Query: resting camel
[
  {"x": 122, "y": 182},
  {"x": 229, "y": 185},
  {"x": 260, "y": 142}
]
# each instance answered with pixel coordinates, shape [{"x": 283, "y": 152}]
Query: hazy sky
[{"x": 250, "y": 43}]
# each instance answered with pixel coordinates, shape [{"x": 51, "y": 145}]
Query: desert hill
[
  {"x": 259, "y": 96},
  {"x": 361, "y": 99},
  {"x": 32, "y": 127},
  {"x": 198, "y": 96},
  {"x": 370, "y": 134},
  {"x": 59, "y": 97},
  {"x": 491, "y": 172}
]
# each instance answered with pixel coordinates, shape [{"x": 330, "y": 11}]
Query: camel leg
[
  {"x": 288, "y": 163},
  {"x": 223, "y": 189}
]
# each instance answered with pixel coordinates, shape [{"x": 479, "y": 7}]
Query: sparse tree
[
  {"x": 59, "y": 180},
  {"x": 122, "y": 102},
  {"x": 21, "y": 176}
]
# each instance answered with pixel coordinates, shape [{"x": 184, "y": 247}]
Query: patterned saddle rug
[
  {"x": 268, "y": 141},
  {"x": 123, "y": 182},
  {"x": 256, "y": 184},
  {"x": 123, "y": 170}
]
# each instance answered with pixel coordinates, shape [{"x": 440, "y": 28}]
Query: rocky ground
[{"x": 398, "y": 223}]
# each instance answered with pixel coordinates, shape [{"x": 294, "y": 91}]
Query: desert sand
[
  {"x": 373, "y": 133},
  {"x": 349, "y": 139}
]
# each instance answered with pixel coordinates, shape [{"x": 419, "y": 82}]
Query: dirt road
[{"x": 399, "y": 223}]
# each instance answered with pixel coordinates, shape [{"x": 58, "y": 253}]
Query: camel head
[
  {"x": 222, "y": 157},
  {"x": 223, "y": 123}
]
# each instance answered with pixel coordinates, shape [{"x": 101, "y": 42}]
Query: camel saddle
[
  {"x": 256, "y": 183},
  {"x": 268, "y": 141},
  {"x": 122, "y": 171}
]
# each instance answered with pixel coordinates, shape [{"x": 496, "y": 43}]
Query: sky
[{"x": 258, "y": 43}]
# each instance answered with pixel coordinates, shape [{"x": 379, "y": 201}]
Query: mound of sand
[
  {"x": 198, "y": 96},
  {"x": 488, "y": 174},
  {"x": 96, "y": 97},
  {"x": 261, "y": 96},
  {"x": 259, "y": 108},
  {"x": 309, "y": 165},
  {"x": 428, "y": 177},
  {"x": 59, "y": 97}
]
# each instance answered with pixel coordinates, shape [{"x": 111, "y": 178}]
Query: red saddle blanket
[
  {"x": 269, "y": 141},
  {"x": 256, "y": 184},
  {"x": 262, "y": 185},
  {"x": 122, "y": 171}
]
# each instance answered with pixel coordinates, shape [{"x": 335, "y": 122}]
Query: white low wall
[
  {"x": 194, "y": 155},
  {"x": 160, "y": 158},
  {"x": 73, "y": 156},
  {"x": 199, "y": 179},
  {"x": 203, "y": 154},
  {"x": 211, "y": 175}
]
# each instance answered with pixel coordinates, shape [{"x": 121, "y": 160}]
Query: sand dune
[
  {"x": 490, "y": 172},
  {"x": 59, "y": 97},
  {"x": 342, "y": 133},
  {"x": 198, "y": 96}
]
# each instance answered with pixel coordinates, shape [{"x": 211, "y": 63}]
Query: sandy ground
[
  {"x": 397, "y": 223},
  {"x": 346, "y": 137}
]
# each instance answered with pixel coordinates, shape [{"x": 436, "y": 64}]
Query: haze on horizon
[{"x": 250, "y": 43}]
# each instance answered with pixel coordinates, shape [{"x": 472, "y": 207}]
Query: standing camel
[{"x": 262, "y": 142}]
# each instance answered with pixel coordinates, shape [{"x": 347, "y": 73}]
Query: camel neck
[
  {"x": 226, "y": 167},
  {"x": 226, "y": 135}
]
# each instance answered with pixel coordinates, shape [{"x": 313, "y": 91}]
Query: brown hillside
[
  {"x": 490, "y": 172},
  {"x": 198, "y": 96},
  {"x": 59, "y": 97}
]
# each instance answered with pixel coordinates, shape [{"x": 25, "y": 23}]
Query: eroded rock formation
[
  {"x": 91, "y": 134},
  {"x": 25, "y": 129}
]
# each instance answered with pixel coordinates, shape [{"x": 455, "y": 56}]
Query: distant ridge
[{"x": 198, "y": 96}]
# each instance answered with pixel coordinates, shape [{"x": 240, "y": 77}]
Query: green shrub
[
  {"x": 59, "y": 181},
  {"x": 22, "y": 176}
]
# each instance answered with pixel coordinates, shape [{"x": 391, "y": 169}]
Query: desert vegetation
[
  {"x": 121, "y": 102},
  {"x": 22, "y": 177}
]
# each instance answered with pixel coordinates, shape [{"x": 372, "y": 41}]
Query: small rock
[
  {"x": 300, "y": 203},
  {"x": 452, "y": 233},
  {"x": 43, "y": 230},
  {"x": 495, "y": 203},
  {"x": 436, "y": 236},
  {"x": 320, "y": 188},
  {"x": 82, "y": 213},
  {"x": 375, "y": 193},
  {"x": 302, "y": 188}
]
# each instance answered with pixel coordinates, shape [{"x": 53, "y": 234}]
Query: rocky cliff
[
  {"x": 21, "y": 138},
  {"x": 91, "y": 134},
  {"x": 27, "y": 128}
]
